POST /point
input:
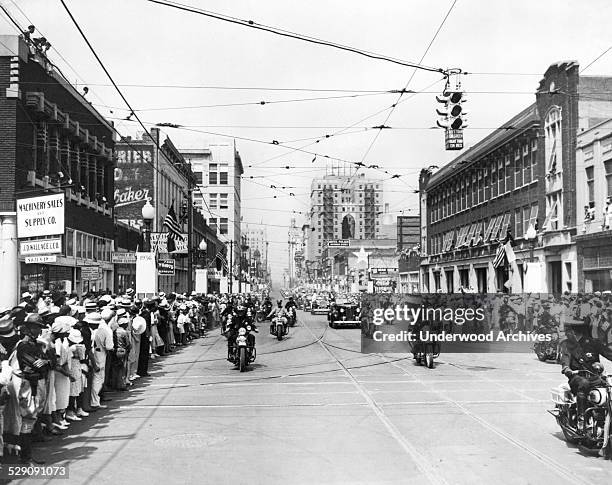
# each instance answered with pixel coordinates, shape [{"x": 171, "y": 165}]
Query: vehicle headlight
[
  {"x": 248, "y": 328},
  {"x": 341, "y": 310},
  {"x": 242, "y": 331}
]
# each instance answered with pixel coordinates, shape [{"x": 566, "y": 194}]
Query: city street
[{"x": 313, "y": 409}]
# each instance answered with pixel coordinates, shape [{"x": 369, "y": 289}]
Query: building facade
[
  {"x": 218, "y": 170},
  {"x": 408, "y": 247},
  {"x": 341, "y": 207},
  {"x": 53, "y": 142},
  {"x": 594, "y": 207},
  {"x": 520, "y": 176}
]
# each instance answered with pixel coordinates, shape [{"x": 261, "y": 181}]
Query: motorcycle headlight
[
  {"x": 248, "y": 328},
  {"x": 242, "y": 331},
  {"x": 341, "y": 310}
]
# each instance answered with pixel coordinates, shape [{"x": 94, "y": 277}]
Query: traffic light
[{"x": 453, "y": 113}]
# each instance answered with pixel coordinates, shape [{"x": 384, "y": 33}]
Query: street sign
[
  {"x": 91, "y": 273},
  {"x": 40, "y": 216},
  {"x": 51, "y": 258},
  {"x": 453, "y": 139},
  {"x": 338, "y": 243},
  {"x": 165, "y": 267},
  {"x": 52, "y": 245},
  {"x": 123, "y": 258}
]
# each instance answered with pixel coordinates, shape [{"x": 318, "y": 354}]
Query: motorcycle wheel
[
  {"x": 429, "y": 360},
  {"x": 279, "y": 332},
  {"x": 418, "y": 359},
  {"x": 242, "y": 359},
  {"x": 541, "y": 355},
  {"x": 259, "y": 318}
]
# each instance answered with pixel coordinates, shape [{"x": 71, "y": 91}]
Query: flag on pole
[
  {"x": 174, "y": 229},
  {"x": 500, "y": 256}
]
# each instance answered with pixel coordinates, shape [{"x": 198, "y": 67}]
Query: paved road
[{"x": 315, "y": 410}]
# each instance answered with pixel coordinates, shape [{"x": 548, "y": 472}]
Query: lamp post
[
  {"x": 530, "y": 236},
  {"x": 202, "y": 248},
  {"x": 148, "y": 214}
]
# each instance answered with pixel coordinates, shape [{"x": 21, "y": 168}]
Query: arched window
[{"x": 348, "y": 227}]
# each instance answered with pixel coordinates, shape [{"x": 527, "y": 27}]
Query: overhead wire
[{"x": 290, "y": 34}]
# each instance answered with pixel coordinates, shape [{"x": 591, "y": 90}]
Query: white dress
[{"x": 62, "y": 382}]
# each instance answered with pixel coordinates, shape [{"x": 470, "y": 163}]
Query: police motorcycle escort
[
  {"x": 583, "y": 405},
  {"x": 279, "y": 327},
  {"x": 241, "y": 349},
  {"x": 547, "y": 325}
]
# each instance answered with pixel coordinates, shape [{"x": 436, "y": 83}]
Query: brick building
[
  {"x": 52, "y": 141},
  {"x": 521, "y": 175}
]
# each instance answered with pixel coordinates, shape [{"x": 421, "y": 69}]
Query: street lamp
[
  {"x": 202, "y": 247},
  {"x": 148, "y": 214},
  {"x": 530, "y": 236}
]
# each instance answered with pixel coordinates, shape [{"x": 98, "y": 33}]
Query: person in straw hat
[{"x": 77, "y": 383}]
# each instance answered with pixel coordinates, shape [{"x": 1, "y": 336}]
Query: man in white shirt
[{"x": 102, "y": 343}]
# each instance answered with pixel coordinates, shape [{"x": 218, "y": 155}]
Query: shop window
[{"x": 69, "y": 239}]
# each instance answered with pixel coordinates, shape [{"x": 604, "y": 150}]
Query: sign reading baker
[
  {"x": 133, "y": 181},
  {"x": 40, "y": 216}
]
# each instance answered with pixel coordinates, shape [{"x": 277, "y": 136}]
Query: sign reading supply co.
[
  {"x": 40, "y": 216},
  {"x": 52, "y": 245},
  {"x": 123, "y": 258}
]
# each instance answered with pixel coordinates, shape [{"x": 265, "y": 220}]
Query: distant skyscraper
[{"x": 343, "y": 207}]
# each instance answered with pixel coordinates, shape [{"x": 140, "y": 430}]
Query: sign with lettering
[
  {"x": 165, "y": 267},
  {"x": 338, "y": 243},
  {"x": 159, "y": 243},
  {"x": 133, "y": 181},
  {"x": 91, "y": 273},
  {"x": 123, "y": 258},
  {"x": 51, "y": 245},
  {"x": 40, "y": 216},
  {"x": 51, "y": 258}
]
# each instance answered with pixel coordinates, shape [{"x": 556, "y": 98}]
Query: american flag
[
  {"x": 221, "y": 257},
  {"x": 500, "y": 256},
  {"x": 174, "y": 229}
]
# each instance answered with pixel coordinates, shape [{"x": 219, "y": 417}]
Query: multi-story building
[
  {"x": 342, "y": 207},
  {"x": 54, "y": 144},
  {"x": 521, "y": 181},
  {"x": 255, "y": 237},
  {"x": 154, "y": 171},
  {"x": 218, "y": 170},
  {"x": 408, "y": 247},
  {"x": 594, "y": 207}
]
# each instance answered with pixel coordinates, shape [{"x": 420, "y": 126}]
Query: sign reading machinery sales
[
  {"x": 51, "y": 245},
  {"x": 40, "y": 216}
]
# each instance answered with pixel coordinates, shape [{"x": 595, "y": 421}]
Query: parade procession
[{"x": 305, "y": 242}]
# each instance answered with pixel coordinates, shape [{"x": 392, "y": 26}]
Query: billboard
[
  {"x": 159, "y": 243},
  {"x": 133, "y": 181}
]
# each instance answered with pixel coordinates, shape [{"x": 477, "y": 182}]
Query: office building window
[
  {"x": 213, "y": 174},
  {"x": 494, "y": 179},
  {"x": 526, "y": 165},
  {"x": 223, "y": 201},
  {"x": 212, "y": 223},
  {"x": 518, "y": 222},
  {"x": 223, "y": 176},
  {"x": 518, "y": 169},
  {"x": 608, "y": 167},
  {"x": 590, "y": 186},
  {"x": 501, "y": 177},
  {"x": 213, "y": 201},
  {"x": 198, "y": 177},
  {"x": 223, "y": 226}
]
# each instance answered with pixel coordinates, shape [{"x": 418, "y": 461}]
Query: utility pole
[
  {"x": 190, "y": 247},
  {"x": 231, "y": 267}
]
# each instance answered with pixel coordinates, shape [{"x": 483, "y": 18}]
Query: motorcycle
[
  {"x": 548, "y": 350},
  {"x": 291, "y": 316},
  {"x": 596, "y": 438},
  {"x": 425, "y": 352},
  {"x": 279, "y": 327},
  {"x": 226, "y": 324},
  {"x": 243, "y": 351}
]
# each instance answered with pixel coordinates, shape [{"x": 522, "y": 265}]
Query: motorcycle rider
[
  {"x": 291, "y": 309},
  {"x": 278, "y": 312},
  {"x": 240, "y": 319},
  {"x": 581, "y": 352}
]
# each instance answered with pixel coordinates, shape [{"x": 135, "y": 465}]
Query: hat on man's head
[
  {"x": 7, "y": 327},
  {"x": 26, "y": 295},
  {"x": 123, "y": 321},
  {"x": 107, "y": 314},
  {"x": 93, "y": 318},
  {"x": 121, "y": 312},
  {"x": 34, "y": 319},
  {"x": 46, "y": 293},
  {"x": 91, "y": 306},
  {"x": 124, "y": 303},
  {"x": 75, "y": 336},
  {"x": 139, "y": 325},
  {"x": 129, "y": 291},
  {"x": 63, "y": 324}
]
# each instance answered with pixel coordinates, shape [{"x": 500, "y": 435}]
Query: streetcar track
[
  {"x": 426, "y": 468},
  {"x": 548, "y": 461}
]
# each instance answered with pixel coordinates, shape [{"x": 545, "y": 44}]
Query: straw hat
[{"x": 139, "y": 325}]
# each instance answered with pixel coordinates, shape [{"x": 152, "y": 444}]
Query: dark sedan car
[{"x": 344, "y": 312}]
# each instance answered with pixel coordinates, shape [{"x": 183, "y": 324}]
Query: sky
[{"x": 505, "y": 47}]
